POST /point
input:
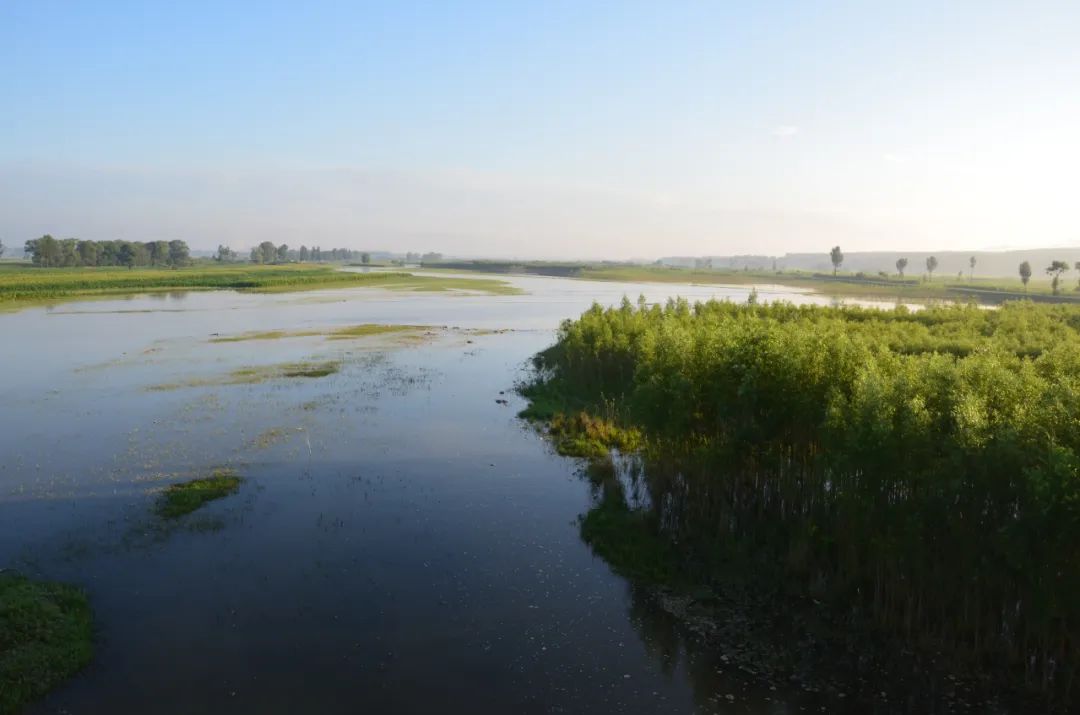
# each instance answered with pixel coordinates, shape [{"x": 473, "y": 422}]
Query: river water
[{"x": 402, "y": 542}]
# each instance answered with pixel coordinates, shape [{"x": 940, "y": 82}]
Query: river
[{"x": 402, "y": 542}]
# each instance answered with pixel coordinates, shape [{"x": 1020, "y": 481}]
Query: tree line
[
  {"x": 50, "y": 252},
  {"x": 1055, "y": 270},
  {"x": 267, "y": 252}
]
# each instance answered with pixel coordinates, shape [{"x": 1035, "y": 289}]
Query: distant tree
[
  {"x": 1025, "y": 274},
  {"x": 1, "y": 249},
  {"x": 1056, "y": 269},
  {"x": 224, "y": 254},
  {"x": 282, "y": 253},
  {"x": 126, "y": 254},
  {"x": 159, "y": 253},
  {"x": 365, "y": 258},
  {"x": 931, "y": 266},
  {"x": 267, "y": 252},
  {"x": 901, "y": 264},
  {"x": 304, "y": 255},
  {"x": 44, "y": 251},
  {"x": 179, "y": 254},
  {"x": 971, "y": 262},
  {"x": 837, "y": 258},
  {"x": 89, "y": 253},
  {"x": 1075, "y": 265}
]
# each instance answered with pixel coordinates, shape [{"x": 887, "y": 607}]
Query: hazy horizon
[{"x": 557, "y": 131}]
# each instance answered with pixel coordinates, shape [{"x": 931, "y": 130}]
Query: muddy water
[{"x": 402, "y": 543}]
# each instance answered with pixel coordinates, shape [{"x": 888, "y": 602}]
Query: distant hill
[{"x": 987, "y": 263}]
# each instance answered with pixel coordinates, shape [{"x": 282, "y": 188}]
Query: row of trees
[
  {"x": 267, "y": 252},
  {"x": 1055, "y": 270},
  {"x": 50, "y": 252}
]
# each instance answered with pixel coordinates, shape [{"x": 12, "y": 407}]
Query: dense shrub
[{"x": 919, "y": 467}]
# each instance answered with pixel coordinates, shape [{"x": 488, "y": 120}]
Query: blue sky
[{"x": 552, "y": 128}]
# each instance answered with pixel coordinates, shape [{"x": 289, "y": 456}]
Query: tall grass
[{"x": 919, "y": 468}]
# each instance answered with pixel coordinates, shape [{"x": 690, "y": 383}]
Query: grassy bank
[
  {"x": 20, "y": 283},
  {"x": 915, "y": 471},
  {"x": 46, "y": 635},
  {"x": 982, "y": 290}
]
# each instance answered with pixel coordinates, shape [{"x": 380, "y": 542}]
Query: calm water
[{"x": 402, "y": 542}]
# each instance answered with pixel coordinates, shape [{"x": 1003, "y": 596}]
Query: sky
[{"x": 544, "y": 129}]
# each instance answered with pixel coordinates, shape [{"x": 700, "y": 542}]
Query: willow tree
[
  {"x": 901, "y": 264},
  {"x": 931, "y": 266}
]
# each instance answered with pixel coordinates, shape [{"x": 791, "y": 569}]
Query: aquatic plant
[
  {"x": 46, "y": 635},
  {"x": 185, "y": 497}
]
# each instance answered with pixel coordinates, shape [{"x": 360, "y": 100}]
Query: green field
[
  {"x": 985, "y": 290},
  {"x": 20, "y": 282},
  {"x": 913, "y": 469}
]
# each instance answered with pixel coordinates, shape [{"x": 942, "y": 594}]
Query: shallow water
[{"x": 402, "y": 542}]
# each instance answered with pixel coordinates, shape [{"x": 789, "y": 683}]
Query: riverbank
[
  {"x": 989, "y": 291},
  {"x": 23, "y": 283}
]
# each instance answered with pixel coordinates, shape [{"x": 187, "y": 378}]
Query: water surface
[{"x": 402, "y": 542}]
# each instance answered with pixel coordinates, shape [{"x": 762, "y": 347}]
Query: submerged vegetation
[
  {"x": 46, "y": 635},
  {"x": 362, "y": 330},
  {"x": 917, "y": 471},
  {"x": 185, "y": 497},
  {"x": 21, "y": 282}
]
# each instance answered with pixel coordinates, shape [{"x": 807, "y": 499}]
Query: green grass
[
  {"x": 46, "y": 635},
  {"x": 21, "y": 283},
  {"x": 185, "y": 497}
]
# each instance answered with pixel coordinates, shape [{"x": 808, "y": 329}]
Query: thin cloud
[
  {"x": 895, "y": 158},
  {"x": 785, "y": 132}
]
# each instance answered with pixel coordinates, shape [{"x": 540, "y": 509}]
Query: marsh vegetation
[
  {"x": 46, "y": 635},
  {"x": 915, "y": 470},
  {"x": 185, "y": 497}
]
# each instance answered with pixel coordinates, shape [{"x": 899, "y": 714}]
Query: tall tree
[
  {"x": 837, "y": 258},
  {"x": 1075, "y": 265},
  {"x": 971, "y": 262},
  {"x": 267, "y": 251},
  {"x": 1056, "y": 269},
  {"x": 159, "y": 253},
  {"x": 365, "y": 258},
  {"x": 179, "y": 255},
  {"x": 901, "y": 264},
  {"x": 282, "y": 253},
  {"x": 1, "y": 249},
  {"x": 931, "y": 266},
  {"x": 126, "y": 254},
  {"x": 1025, "y": 274},
  {"x": 304, "y": 255}
]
